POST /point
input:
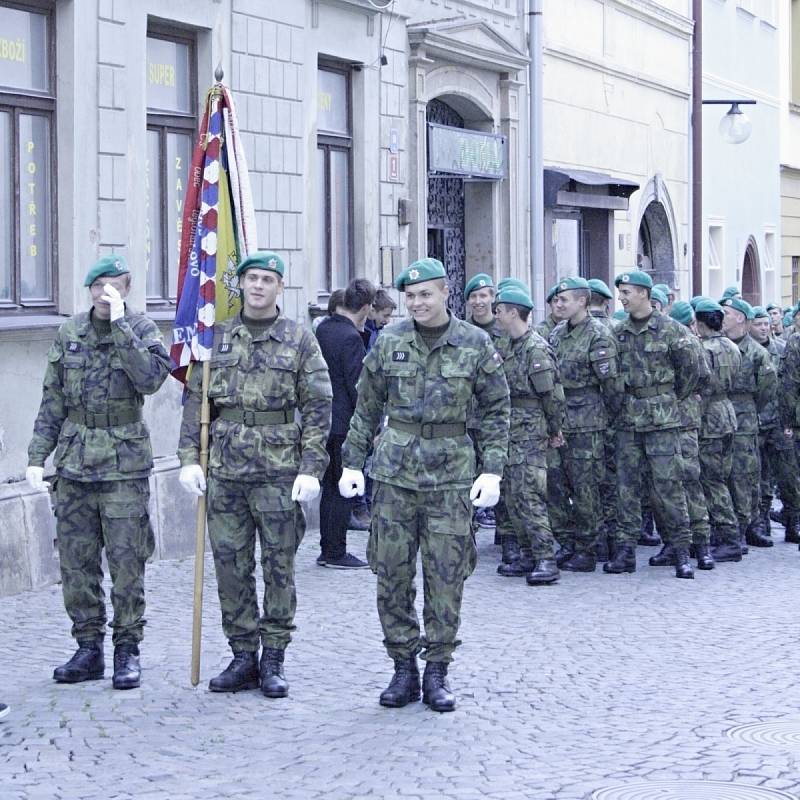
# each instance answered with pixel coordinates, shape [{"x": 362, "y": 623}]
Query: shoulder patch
[
  {"x": 73, "y": 347},
  {"x": 400, "y": 355}
]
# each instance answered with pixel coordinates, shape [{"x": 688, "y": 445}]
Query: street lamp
[{"x": 735, "y": 127}]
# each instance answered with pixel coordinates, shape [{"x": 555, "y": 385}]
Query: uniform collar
[{"x": 275, "y": 331}]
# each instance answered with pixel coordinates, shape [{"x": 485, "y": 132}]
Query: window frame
[{"x": 36, "y": 103}]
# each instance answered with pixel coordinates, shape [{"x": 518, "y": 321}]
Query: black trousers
[{"x": 334, "y": 510}]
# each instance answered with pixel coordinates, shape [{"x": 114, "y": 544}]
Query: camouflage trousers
[
  {"x": 779, "y": 468},
  {"x": 716, "y": 463},
  {"x": 236, "y": 509},
  {"x": 522, "y": 510},
  {"x": 576, "y": 508},
  {"x": 608, "y": 486},
  {"x": 693, "y": 487},
  {"x": 661, "y": 452},
  {"x": 745, "y": 478},
  {"x": 436, "y": 523},
  {"x": 92, "y": 516}
]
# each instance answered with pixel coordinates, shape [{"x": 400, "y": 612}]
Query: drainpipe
[
  {"x": 697, "y": 148},
  {"x": 535, "y": 138}
]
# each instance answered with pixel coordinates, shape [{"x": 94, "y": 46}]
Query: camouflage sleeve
[
  {"x": 52, "y": 410},
  {"x": 189, "y": 437},
  {"x": 314, "y": 395},
  {"x": 766, "y": 380},
  {"x": 605, "y": 365},
  {"x": 142, "y": 353},
  {"x": 545, "y": 381},
  {"x": 686, "y": 363},
  {"x": 493, "y": 408},
  {"x": 372, "y": 395},
  {"x": 789, "y": 394}
]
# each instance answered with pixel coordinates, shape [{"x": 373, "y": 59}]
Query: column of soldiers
[{"x": 565, "y": 428}]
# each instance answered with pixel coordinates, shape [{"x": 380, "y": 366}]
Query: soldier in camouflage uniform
[
  {"x": 659, "y": 369},
  {"x": 586, "y": 354},
  {"x": 789, "y": 400},
  {"x": 265, "y": 369},
  {"x": 776, "y": 446},
  {"x": 99, "y": 368},
  {"x": 756, "y": 381},
  {"x": 422, "y": 374},
  {"x": 537, "y": 412}
]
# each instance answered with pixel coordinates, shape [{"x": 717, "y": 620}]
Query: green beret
[
  {"x": 759, "y": 312},
  {"x": 262, "y": 259},
  {"x": 659, "y": 296},
  {"x": 696, "y": 299},
  {"x": 426, "y": 269},
  {"x": 511, "y": 294},
  {"x": 740, "y": 305},
  {"x": 682, "y": 312},
  {"x": 731, "y": 291},
  {"x": 565, "y": 284},
  {"x": 771, "y": 306},
  {"x": 634, "y": 277},
  {"x": 663, "y": 287},
  {"x": 108, "y": 265},
  {"x": 508, "y": 282},
  {"x": 479, "y": 281},
  {"x": 788, "y": 320},
  {"x": 620, "y": 314},
  {"x": 598, "y": 286},
  {"x": 705, "y": 305}
]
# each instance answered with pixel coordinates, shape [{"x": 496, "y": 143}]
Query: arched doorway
[
  {"x": 751, "y": 274},
  {"x": 655, "y": 253}
]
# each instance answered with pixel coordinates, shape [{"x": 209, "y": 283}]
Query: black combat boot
[
  {"x": 87, "y": 664},
  {"x": 240, "y": 674},
  {"x": 714, "y": 538},
  {"x": 565, "y": 553},
  {"x": 127, "y": 672},
  {"x": 581, "y": 562},
  {"x": 404, "y": 686},
  {"x": 510, "y": 547},
  {"x": 792, "y": 528},
  {"x": 273, "y": 681},
  {"x": 664, "y": 558},
  {"x": 727, "y": 551},
  {"x": 743, "y": 539},
  {"x": 436, "y": 692},
  {"x": 756, "y": 534},
  {"x": 703, "y": 555},
  {"x": 601, "y": 548},
  {"x": 519, "y": 567},
  {"x": 765, "y": 507},
  {"x": 648, "y": 535},
  {"x": 683, "y": 567},
  {"x": 624, "y": 560},
  {"x": 544, "y": 571},
  {"x": 778, "y": 516}
]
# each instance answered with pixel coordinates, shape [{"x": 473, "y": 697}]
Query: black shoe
[
  {"x": 273, "y": 681},
  {"x": 580, "y": 562},
  {"x": 683, "y": 567},
  {"x": 728, "y": 551},
  {"x": 127, "y": 672},
  {"x": 756, "y": 535},
  {"x": 347, "y": 561},
  {"x": 510, "y": 546},
  {"x": 664, "y": 558},
  {"x": 792, "y": 534},
  {"x": 88, "y": 664},
  {"x": 648, "y": 536},
  {"x": 518, "y": 568},
  {"x": 703, "y": 556},
  {"x": 4, "y": 710},
  {"x": 240, "y": 674},
  {"x": 624, "y": 560},
  {"x": 436, "y": 692},
  {"x": 778, "y": 516},
  {"x": 565, "y": 553},
  {"x": 601, "y": 551},
  {"x": 321, "y": 560},
  {"x": 359, "y": 520},
  {"x": 484, "y": 517},
  {"x": 544, "y": 571},
  {"x": 404, "y": 686}
]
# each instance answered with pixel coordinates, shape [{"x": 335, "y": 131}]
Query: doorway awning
[{"x": 586, "y": 189}]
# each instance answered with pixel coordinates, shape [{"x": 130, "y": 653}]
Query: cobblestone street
[{"x": 597, "y": 682}]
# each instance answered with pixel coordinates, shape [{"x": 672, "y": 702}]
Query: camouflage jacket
[
  {"x": 769, "y": 416},
  {"x": 756, "y": 381},
  {"x": 601, "y": 316},
  {"x": 499, "y": 339},
  {"x": 94, "y": 379},
  {"x": 418, "y": 387},
  {"x": 724, "y": 360},
  {"x": 789, "y": 395},
  {"x": 691, "y": 407},
  {"x": 659, "y": 367},
  {"x": 281, "y": 369},
  {"x": 537, "y": 397},
  {"x": 545, "y": 327},
  {"x": 587, "y": 361}
]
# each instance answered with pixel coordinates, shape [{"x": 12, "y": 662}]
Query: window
[
  {"x": 334, "y": 200},
  {"x": 27, "y": 148},
  {"x": 171, "y": 130}
]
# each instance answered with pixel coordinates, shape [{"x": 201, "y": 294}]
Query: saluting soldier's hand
[
  {"x": 35, "y": 478},
  {"x": 116, "y": 304},
  {"x": 305, "y": 489},
  {"x": 485, "y": 492},
  {"x": 351, "y": 483},
  {"x": 192, "y": 479}
]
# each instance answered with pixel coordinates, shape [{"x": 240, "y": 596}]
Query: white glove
[
  {"x": 192, "y": 479},
  {"x": 112, "y": 296},
  {"x": 35, "y": 478},
  {"x": 305, "y": 489},
  {"x": 351, "y": 483},
  {"x": 485, "y": 492}
]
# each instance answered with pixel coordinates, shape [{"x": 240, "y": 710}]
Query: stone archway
[
  {"x": 751, "y": 274},
  {"x": 657, "y": 245}
]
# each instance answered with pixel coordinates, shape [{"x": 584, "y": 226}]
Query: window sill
[{"x": 27, "y": 322}]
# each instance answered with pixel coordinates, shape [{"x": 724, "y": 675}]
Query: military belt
[
  {"x": 429, "y": 430},
  {"x": 526, "y": 402},
  {"x": 640, "y": 392},
  {"x": 104, "y": 420},
  {"x": 251, "y": 418},
  {"x": 569, "y": 391},
  {"x": 741, "y": 397}
]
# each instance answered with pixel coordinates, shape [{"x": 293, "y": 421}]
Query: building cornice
[{"x": 653, "y": 12}]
